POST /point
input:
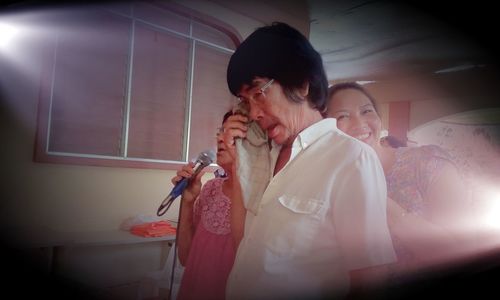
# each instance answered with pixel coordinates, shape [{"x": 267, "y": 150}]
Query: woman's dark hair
[
  {"x": 349, "y": 85},
  {"x": 282, "y": 53},
  {"x": 226, "y": 116},
  {"x": 393, "y": 141}
]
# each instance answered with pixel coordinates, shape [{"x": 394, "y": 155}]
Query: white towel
[{"x": 254, "y": 163}]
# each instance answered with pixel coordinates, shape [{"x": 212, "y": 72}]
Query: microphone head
[{"x": 206, "y": 157}]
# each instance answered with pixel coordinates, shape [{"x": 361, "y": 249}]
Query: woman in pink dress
[
  {"x": 426, "y": 209},
  {"x": 210, "y": 228}
]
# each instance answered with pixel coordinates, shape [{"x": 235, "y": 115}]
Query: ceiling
[
  {"x": 373, "y": 40},
  {"x": 376, "y": 39}
]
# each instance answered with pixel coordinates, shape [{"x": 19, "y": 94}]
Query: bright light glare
[
  {"x": 492, "y": 215},
  {"x": 7, "y": 33}
]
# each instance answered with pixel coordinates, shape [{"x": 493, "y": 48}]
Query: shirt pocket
[
  {"x": 296, "y": 229},
  {"x": 302, "y": 206}
]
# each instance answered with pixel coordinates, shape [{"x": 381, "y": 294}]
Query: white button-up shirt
[{"x": 321, "y": 216}]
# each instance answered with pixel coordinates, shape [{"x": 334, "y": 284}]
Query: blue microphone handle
[
  {"x": 204, "y": 159},
  {"x": 176, "y": 192},
  {"x": 179, "y": 188}
]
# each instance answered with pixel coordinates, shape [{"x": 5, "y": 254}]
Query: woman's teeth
[{"x": 362, "y": 136}]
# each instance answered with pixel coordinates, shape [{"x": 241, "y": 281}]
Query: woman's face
[
  {"x": 355, "y": 115},
  {"x": 282, "y": 119},
  {"x": 224, "y": 157}
]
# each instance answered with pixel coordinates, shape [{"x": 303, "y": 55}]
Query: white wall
[{"x": 433, "y": 96}]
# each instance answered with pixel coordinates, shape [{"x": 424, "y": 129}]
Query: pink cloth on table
[
  {"x": 212, "y": 252},
  {"x": 153, "y": 229}
]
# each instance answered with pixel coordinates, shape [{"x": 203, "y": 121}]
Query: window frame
[{"x": 41, "y": 151}]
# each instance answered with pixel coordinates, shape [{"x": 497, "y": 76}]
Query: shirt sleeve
[{"x": 360, "y": 217}]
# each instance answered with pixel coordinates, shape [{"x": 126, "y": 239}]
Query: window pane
[
  {"x": 158, "y": 102},
  {"x": 211, "y": 97},
  {"x": 89, "y": 85},
  {"x": 209, "y": 34},
  {"x": 101, "y": 88}
]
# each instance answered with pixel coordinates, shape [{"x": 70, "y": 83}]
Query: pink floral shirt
[
  {"x": 413, "y": 172},
  {"x": 212, "y": 251},
  {"x": 409, "y": 180},
  {"x": 213, "y": 208}
]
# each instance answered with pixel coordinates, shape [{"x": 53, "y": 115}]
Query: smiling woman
[{"x": 427, "y": 205}]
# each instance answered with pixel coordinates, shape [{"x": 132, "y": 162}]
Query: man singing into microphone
[{"x": 210, "y": 229}]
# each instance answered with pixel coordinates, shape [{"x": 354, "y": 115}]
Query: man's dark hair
[{"x": 282, "y": 53}]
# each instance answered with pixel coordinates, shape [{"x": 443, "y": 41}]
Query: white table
[{"x": 53, "y": 242}]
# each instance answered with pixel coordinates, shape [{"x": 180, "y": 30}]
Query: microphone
[{"x": 204, "y": 159}]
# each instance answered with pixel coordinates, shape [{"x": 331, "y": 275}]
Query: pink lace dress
[
  {"x": 408, "y": 182},
  {"x": 212, "y": 252}
]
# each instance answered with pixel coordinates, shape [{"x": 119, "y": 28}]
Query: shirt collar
[
  {"x": 312, "y": 133},
  {"x": 309, "y": 135},
  {"x": 304, "y": 139}
]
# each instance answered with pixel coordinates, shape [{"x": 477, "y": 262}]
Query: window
[{"x": 135, "y": 85}]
